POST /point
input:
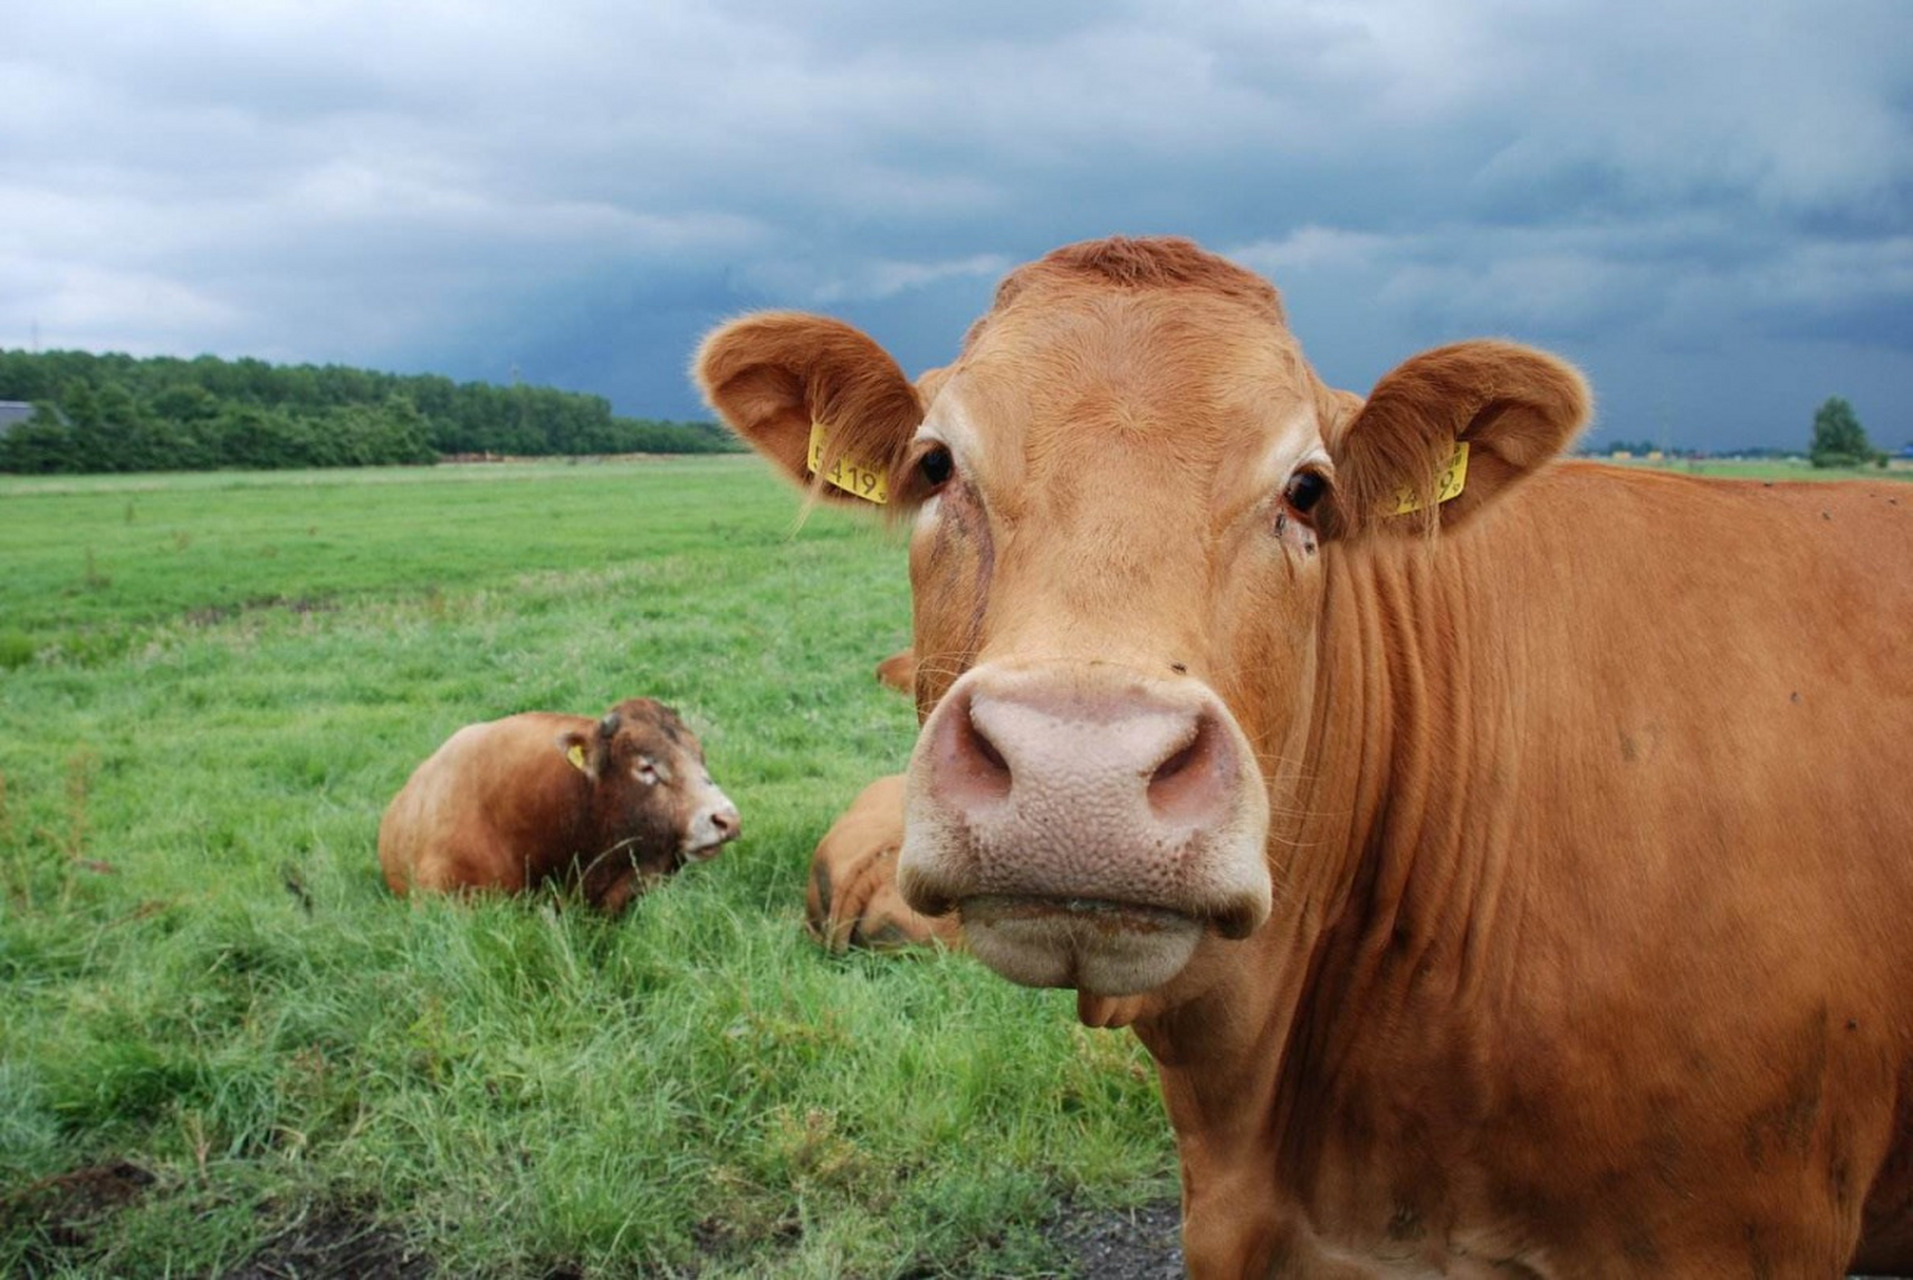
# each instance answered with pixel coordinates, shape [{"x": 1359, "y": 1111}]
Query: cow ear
[
  {"x": 817, "y": 397},
  {"x": 1446, "y": 433},
  {"x": 577, "y": 750}
]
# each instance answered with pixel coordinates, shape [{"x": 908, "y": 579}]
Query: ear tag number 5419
[{"x": 848, "y": 474}]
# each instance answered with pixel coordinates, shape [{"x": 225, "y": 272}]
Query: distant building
[{"x": 13, "y": 413}]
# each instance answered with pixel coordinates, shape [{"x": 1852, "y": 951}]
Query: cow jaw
[{"x": 1092, "y": 825}]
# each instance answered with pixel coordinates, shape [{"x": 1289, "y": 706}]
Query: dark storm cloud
[{"x": 1672, "y": 194}]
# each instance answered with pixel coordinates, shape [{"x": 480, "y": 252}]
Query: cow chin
[{"x": 1103, "y": 948}]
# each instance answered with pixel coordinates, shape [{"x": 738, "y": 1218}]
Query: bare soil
[{"x": 345, "y": 1242}]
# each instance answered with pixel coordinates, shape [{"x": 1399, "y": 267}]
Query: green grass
[{"x": 210, "y": 685}]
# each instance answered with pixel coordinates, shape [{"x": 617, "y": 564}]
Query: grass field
[
  {"x": 219, "y": 1033},
  {"x": 218, "y": 1030}
]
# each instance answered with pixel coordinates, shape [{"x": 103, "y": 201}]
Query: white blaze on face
[{"x": 713, "y": 822}]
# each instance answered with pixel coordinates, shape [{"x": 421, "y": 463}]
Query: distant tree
[
  {"x": 115, "y": 412},
  {"x": 1632, "y": 446},
  {"x": 1838, "y": 438},
  {"x": 41, "y": 445}
]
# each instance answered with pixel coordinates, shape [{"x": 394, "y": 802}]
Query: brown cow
[
  {"x": 1508, "y": 863},
  {"x": 899, "y": 671},
  {"x": 614, "y": 804},
  {"x": 853, "y": 898}
]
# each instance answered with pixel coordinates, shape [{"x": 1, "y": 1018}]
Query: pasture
[{"x": 220, "y": 1034}]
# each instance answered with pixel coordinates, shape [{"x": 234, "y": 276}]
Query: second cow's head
[
  {"x": 652, "y": 804},
  {"x": 1121, "y": 497}
]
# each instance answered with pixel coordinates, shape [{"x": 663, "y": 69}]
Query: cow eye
[
  {"x": 1306, "y": 488},
  {"x": 936, "y": 466},
  {"x": 646, "y": 772}
]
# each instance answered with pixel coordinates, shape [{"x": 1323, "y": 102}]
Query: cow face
[
  {"x": 1124, "y": 499},
  {"x": 651, "y": 793}
]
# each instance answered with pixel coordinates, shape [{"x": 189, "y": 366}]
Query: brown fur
[
  {"x": 1588, "y": 824},
  {"x": 853, "y": 900},
  {"x": 899, "y": 671},
  {"x": 500, "y": 806}
]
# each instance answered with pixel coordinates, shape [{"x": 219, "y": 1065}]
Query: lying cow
[
  {"x": 614, "y": 805},
  {"x": 853, "y": 898},
  {"x": 898, "y": 671},
  {"x": 1508, "y": 863}
]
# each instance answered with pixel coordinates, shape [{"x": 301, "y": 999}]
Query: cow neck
[
  {"x": 1376, "y": 890},
  {"x": 1416, "y": 665},
  {"x": 587, "y": 833},
  {"x": 1222, "y": 1053}
]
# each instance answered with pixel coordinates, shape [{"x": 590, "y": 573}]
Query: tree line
[{"x": 117, "y": 412}]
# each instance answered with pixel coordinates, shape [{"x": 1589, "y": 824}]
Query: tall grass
[{"x": 209, "y": 688}]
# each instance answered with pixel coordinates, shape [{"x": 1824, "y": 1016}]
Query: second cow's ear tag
[{"x": 576, "y": 754}]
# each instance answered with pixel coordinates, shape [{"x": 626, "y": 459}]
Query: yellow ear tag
[
  {"x": 848, "y": 474},
  {"x": 577, "y": 757},
  {"x": 1453, "y": 479}
]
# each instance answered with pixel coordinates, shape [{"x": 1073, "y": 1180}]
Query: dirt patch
[
  {"x": 1144, "y": 1243},
  {"x": 335, "y": 1242},
  {"x": 68, "y": 1208}
]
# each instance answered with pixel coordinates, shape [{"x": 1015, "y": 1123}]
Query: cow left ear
[
  {"x": 1447, "y": 432},
  {"x": 577, "y": 748},
  {"x": 817, "y": 397}
]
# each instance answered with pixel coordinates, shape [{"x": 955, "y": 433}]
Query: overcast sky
[{"x": 1707, "y": 203}]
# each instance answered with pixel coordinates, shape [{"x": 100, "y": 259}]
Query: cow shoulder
[{"x": 1447, "y": 432}]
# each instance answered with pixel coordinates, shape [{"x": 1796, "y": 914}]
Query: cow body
[
  {"x": 1597, "y": 964},
  {"x": 1509, "y": 877},
  {"x": 614, "y": 804}
]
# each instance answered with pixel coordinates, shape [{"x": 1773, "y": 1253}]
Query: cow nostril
[
  {"x": 725, "y": 820},
  {"x": 980, "y": 743},
  {"x": 1178, "y": 762},
  {"x": 969, "y": 763},
  {"x": 1188, "y": 784}
]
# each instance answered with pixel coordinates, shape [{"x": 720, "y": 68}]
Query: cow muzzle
[
  {"x": 714, "y": 825},
  {"x": 1091, "y": 825}
]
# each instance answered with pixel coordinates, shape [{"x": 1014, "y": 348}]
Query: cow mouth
[
  {"x": 1092, "y": 944},
  {"x": 1099, "y": 913},
  {"x": 699, "y": 852},
  {"x": 1106, "y": 914}
]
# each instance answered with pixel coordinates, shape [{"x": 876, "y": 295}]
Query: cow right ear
[
  {"x": 577, "y": 750},
  {"x": 817, "y": 397},
  {"x": 1446, "y": 433}
]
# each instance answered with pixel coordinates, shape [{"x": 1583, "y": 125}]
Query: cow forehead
[
  {"x": 1179, "y": 386},
  {"x": 654, "y": 729}
]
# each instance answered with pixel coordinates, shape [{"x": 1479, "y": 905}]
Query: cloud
[{"x": 447, "y": 181}]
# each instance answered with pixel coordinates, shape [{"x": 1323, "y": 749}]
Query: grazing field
[{"x": 222, "y": 1042}]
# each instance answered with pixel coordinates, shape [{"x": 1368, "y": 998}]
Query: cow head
[
  {"x": 1124, "y": 497},
  {"x": 651, "y": 796}
]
